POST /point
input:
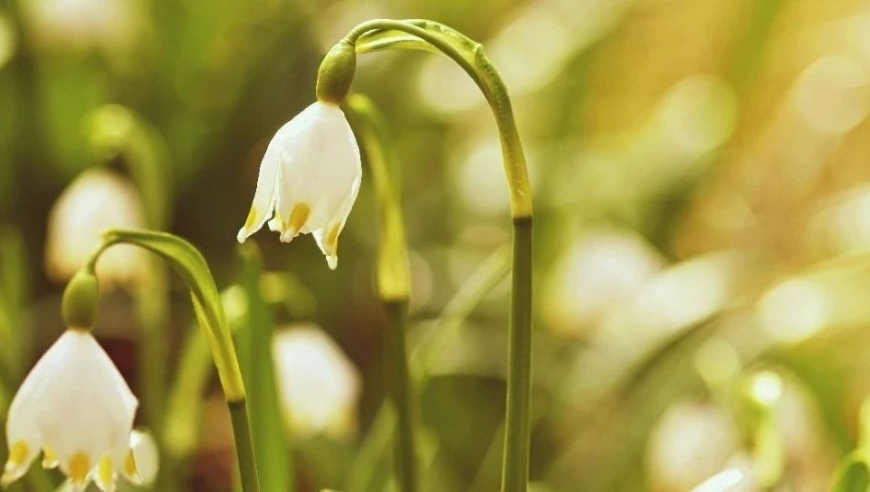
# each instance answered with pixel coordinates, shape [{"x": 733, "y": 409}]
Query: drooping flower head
[
  {"x": 77, "y": 409},
  {"x": 309, "y": 179},
  {"x": 74, "y": 406}
]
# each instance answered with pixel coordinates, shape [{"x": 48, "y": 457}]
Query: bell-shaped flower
[
  {"x": 96, "y": 200},
  {"x": 318, "y": 385},
  {"x": 77, "y": 409},
  {"x": 309, "y": 179}
]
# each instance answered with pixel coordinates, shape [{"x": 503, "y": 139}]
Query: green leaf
[
  {"x": 369, "y": 471},
  {"x": 192, "y": 267},
  {"x": 184, "y": 403},
  {"x": 254, "y": 341},
  {"x": 373, "y": 41}
]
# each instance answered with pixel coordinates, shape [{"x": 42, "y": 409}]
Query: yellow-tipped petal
[
  {"x": 330, "y": 244},
  {"x": 78, "y": 467},
  {"x": 49, "y": 457},
  {"x": 298, "y": 216},
  {"x": 143, "y": 460},
  {"x": 17, "y": 464},
  {"x": 249, "y": 226},
  {"x": 327, "y": 241},
  {"x": 105, "y": 476},
  {"x": 130, "y": 469},
  {"x": 264, "y": 196}
]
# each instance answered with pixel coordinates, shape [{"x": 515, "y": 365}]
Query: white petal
[
  {"x": 22, "y": 427},
  {"x": 265, "y": 195},
  {"x": 329, "y": 245},
  {"x": 320, "y": 165},
  {"x": 81, "y": 406},
  {"x": 145, "y": 458}
]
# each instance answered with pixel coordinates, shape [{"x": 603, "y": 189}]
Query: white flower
[
  {"x": 80, "y": 25},
  {"x": 691, "y": 442},
  {"x": 146, "y": 456},
  {"x": 76, "y": 407},
  {"x": 309, "y": 179},
  {"x": 318, "y": 385},
  {"x": 96, "y": 200}
]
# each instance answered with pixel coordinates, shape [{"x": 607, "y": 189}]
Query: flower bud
[
  {"x": 336, "y": 73},
  {"x": 79, "y": 304}
]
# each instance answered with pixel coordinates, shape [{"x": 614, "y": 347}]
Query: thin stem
[
  {"x": 392, "y": 276},
  {"x": 405, "y": 451},
  {"x": 515, "y": 470},
  {"x": 393, "y": 279},
  {"x": 210, "y": 315},
  {"x": 153, "y": 347},
  {"x": 470, "y": 56},
  {"x": 244, "y": 445}
]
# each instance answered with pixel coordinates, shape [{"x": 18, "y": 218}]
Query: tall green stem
[
  {"x": 244, "y": 445},
  {"x": 405, "y": 450},
  {"x": 515, "y": 471},
  {"x": 254, "y": 343},
  {"x": 382, "y": 34},
  {"x": 392, "y": 277}
]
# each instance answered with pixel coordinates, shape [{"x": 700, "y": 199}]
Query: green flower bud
[
  {"x": 79, "y": 305},
  {"x": 336, "y": 73}
]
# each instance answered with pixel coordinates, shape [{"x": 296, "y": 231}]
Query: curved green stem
[
  {"x": 393, "y": 275},
  {"x": 210, "y": 314},
  {"x": 393, "y": 279},
  {"x": 382, "y": 34},
  {"x": 113, "y": 131},
  {"x": 469, "y": 55}
]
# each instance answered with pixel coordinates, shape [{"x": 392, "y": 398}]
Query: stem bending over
[
  {"x": 336, "y": 72},
  {"x": 210, "y": 314}
]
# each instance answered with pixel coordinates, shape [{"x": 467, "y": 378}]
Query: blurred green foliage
[{"x": 703, "y": 217}]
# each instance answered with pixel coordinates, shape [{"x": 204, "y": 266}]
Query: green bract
[{"x": 79, "y": 305}]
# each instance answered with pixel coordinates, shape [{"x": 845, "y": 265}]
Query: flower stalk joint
[
  {"x": 79, "y": 304},
  {"x": 336, "y": 72}
]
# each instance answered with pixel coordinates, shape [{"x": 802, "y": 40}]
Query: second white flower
[{"x": 309, "y": 179}]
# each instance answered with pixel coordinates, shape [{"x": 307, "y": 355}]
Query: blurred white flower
[
  {"x": 95, "y": 201},
  {"x": 309, "y": 179},
  {"x": 84, "y": 24},
  {"x": 76, "y": 407},
  {"x": 318, "y": 384},
  {"x": 595, "y": 276},
  {"x": 690, "y": 443}
]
